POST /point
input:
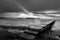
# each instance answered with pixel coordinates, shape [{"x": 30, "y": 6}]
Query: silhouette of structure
[{"x": 43, "y": 30}]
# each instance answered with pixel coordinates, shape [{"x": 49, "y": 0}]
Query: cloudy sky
[{"x": 31, "y": 5}]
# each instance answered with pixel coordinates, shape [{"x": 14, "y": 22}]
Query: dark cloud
[
  {"x": 32, "y": 5},
  {"x": 45, "y": 4},
  {"x": 9, "y": 6}
]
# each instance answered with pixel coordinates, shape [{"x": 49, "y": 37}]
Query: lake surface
[{"x": 34, "y": 23}]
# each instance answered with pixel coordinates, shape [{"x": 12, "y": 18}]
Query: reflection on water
[
  {"x": 25, "y": 22},
  {"x": 34, "y": 23}
]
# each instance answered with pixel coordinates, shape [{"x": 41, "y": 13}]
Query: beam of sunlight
[
  {"x": 26, "y": 12},
  {"x": 22, "y": 8}
]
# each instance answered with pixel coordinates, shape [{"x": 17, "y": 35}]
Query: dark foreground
[{"x": 12, "y": 34}]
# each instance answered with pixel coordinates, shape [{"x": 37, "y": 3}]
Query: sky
[{"x": 30, "y": 5}]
